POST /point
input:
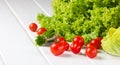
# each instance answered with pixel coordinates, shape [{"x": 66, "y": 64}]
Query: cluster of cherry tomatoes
[
  {"x": 60, "y": 45},
  {"x": 33, "y": 27}
]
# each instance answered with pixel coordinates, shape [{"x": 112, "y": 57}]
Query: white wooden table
[{"x": 17, "y": 42}]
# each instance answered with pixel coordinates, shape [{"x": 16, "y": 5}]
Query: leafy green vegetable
[
  {"x": 40, "y": 40},
  {"x": 111, "y": 43},
  {"x": 46, "y": 37},
  {"x": 88, "y": 18}
]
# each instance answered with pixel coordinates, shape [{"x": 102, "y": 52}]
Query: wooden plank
[
  {"x": 15, "y": 45},
  {"x": 45, "y": 5}
]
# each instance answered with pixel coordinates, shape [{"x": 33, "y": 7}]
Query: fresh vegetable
[
  {"x": 95, "y": 42},
  {"x": 60, "y": 39},
  {"x": 40, "y": 40},
  {"x": 63, "y": 41},
  {"x": 75, "y": 48},
  {"x": 33, "y": 27},
  {"x": 89, "y": 45},
  {"x": 88, "y": 18},
  {"x": 57, "y": 48},
  {"x": 66, "y": 45},
  {"x": 45, "y": 38},
  {"x": 91, "y": 52},
  {"x": 41, "y": 31},
  {"x": 79, "y": 40},
  {"x": 77, "y": 44},
  {"x": 111, "y": 42}
]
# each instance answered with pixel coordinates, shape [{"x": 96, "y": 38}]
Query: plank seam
[{"x": 24, "y": 28}]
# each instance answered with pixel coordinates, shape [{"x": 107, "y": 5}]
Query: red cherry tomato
[
  {"x": 57, "y": 48},
  {"x": 41, "y": 31},
  {"x": 33, "y": 27},
  {"x": 91, "y": 52},
  {"x": 78, "y": 39},
  {"x": 89, "y": 45},
  {"x": 62, "y": 40},
  {"x": 66, "y": 45},
  {"x": 96, "y": 42},
  {"x": 75, "y": 48},
  {"x": 77, "y": 44}
]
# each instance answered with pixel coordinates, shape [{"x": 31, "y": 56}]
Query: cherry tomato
[
  {"x": 41, "y": 31},
  {"x": 57, "y": 48},
  {"x": 96, "y": 42},
  {"x": 33, "y": 27},
  {"x": 78, "y": 39},
  {"x": 77, "y": 44},
  {"x": 91, "y": 52},
  {"x": 89, "y": 45},
  {"x": 62, "y": 40},
  {"x": 75, "y": 48},
  {"x": 66, "y": 45}
]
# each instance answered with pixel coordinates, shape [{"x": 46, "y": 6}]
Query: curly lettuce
[{"x": 88, "y": 18}]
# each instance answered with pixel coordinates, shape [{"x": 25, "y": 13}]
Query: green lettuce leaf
[{"x": 111, "y": 43}]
